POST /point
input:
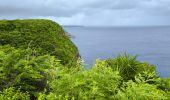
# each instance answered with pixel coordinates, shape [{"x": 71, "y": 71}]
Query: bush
[
  {"x": 98, "y": 83},
  {"x": 165, "y": 85},
  {"x": 141, "y": 91},
  {"x": 12, "y": 94},
  {"x": 129, "y": 67},
  {"x": 24, "y": 70}
]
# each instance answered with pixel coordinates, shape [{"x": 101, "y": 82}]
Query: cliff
[{"x": 43, "y": 36}]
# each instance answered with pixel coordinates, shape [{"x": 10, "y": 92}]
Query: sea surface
[{"x": 150, "y": 44}]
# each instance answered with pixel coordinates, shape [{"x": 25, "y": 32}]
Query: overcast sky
[{"x": 90, "y": 12}]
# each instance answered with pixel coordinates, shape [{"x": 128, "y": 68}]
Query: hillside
[{"x": 43, "y": 36}]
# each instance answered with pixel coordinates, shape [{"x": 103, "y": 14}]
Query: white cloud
[{"x": 90, "y": 12}]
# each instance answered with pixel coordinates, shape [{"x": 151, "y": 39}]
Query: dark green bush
[
  {"x": 24, "y": 70},
  {"x": 43, "y": 36},
  {"x": 129, "y": 67}
]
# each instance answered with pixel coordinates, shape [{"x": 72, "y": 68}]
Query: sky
[{"x": 90, "y": 12}]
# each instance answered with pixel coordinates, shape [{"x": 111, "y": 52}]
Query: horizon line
[{"x": 115, "y": 25}]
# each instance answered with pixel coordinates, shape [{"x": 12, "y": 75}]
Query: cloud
[{"x": 90, "y": 12}]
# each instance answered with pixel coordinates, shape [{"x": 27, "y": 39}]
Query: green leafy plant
[
  {"x": 141, "y": 91},
  {"x": 129, "y": 66},
  {"x": 13, "y": 94},
  {"x": 22, "y": 69},
  {"x": 98, "y": 83}
]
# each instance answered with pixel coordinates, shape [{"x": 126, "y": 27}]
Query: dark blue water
[{"x": 151, "y": 44}]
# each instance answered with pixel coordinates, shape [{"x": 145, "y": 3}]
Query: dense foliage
[
  {"x": 28, "y": 71},
  {"x": 103, "y": 82},
  {"x": 12, "y": 94},
  {"x": 21, "y": 69},
  {"x": 43, "y": 36}
]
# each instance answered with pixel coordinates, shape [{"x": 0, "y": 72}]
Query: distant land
[
  {"x": 116, "y": 26},
  {"x": 73, "y": 26}
]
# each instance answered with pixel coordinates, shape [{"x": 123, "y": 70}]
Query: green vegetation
[
  {"x": 12, "y": 94},
  {"x": 43, "y": 36},
  {"x": 38, "y": 61},
  {"x": 25, "y": 71}
]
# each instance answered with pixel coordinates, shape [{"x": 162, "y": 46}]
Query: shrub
[
  {"x": 12, "y": 94},
  {"x": 165, "y": 86},
  {"x": 24, "y": 70},
  {"x": 141, "y": 91},
  {"x": 129, "y": 67},
  {"x": 98, "y": 83}
]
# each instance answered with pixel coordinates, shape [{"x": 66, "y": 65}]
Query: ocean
[{"x": 150, "y": 44}]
